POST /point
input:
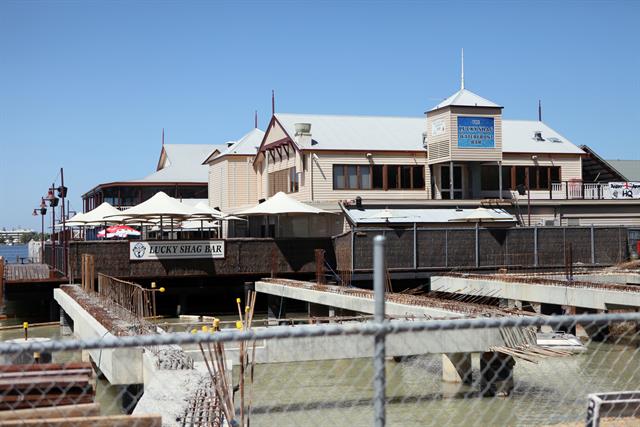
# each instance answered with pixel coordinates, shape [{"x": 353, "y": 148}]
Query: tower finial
[
  {"x": 163, "y": 137},
  {"x": 539, "y": 110},
  {"x": 255, "y": 120},
  {"x": 462, "y": 70},
  {"x": 273, "y": 102}
]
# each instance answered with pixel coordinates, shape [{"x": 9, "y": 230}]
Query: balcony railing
[{"x": 571, "y": 190}]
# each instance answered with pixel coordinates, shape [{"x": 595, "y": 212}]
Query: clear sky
[{"x": 89, "y": 85}]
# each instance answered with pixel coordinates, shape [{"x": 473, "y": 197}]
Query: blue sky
[{"x": 90, "y": 85}]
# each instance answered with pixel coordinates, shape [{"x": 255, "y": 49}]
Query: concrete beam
[
  {"x": 120, "y": 366},
  {"x": 599, "y": 299},
  {"x": 350, "y": 302},
  {"x": 619, "y": 278},
  {"x": 359, "y": 346}
]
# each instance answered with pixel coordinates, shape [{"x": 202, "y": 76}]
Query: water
[
  {"x": 10, "y": 252},
  {"x": 339, "y": 392}
]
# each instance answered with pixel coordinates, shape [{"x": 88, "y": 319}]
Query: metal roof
[
  {"x": 245, "y": 146},
  {"x": 629, "y": 168},
  {"x": 183, "y": 163},
  {"x": 465, "y": 98},
  {"x": 518, "y": 136},
  {"x": 420, "y": 216},
  {"x": 380, "y": 133},
  {"x": 329, "y": 132}
]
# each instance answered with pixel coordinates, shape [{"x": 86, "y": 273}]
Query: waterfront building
[
  {"x": 179, "y": 173},
  {"x": 463, "y": 153}
]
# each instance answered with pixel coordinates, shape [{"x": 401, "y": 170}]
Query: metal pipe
[{"x": 379, "y": 380}]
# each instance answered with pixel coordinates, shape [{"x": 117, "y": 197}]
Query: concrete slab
[
  {"x": 599, "y": 299},
  {"x": 351, "y": 302}
]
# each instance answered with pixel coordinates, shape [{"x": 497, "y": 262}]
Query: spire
[
  {"x": 273, "y": 102},
  {"x": 462, "y": 70},
  {"x": 539, "y": 110},
  {"x": 255, "y": 119}
]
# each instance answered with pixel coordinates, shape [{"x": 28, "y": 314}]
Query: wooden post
[{"x": 1, "y": 281}]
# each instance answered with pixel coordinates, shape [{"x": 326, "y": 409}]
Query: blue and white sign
[{"x": 475, "y": 132}]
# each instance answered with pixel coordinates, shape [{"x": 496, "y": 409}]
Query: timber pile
[{"x": 51, "y": 384}]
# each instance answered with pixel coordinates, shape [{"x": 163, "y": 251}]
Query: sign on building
[
  {"x": 624, "y": 190},
  {"x": 176, "y": 249},
  {"x": 475, "y": 132},
  {"x": 438, "y": 127}
]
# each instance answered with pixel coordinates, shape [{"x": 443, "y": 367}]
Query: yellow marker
[
  {"x": 25, "y": 325},
  {"x": 238, "y": 324},
  {"x": 216, "y": 324},
  {"x": 161, "y": 290},
  {"x": 153, "y": 285},
  {"x": 238, "y": 300},
  {"x": 205, "y": 328},
  {"x": 246, "y": 309}
]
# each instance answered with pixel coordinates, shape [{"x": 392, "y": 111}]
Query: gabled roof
[
  {"x": 182, "y": 163},
  {"x": 245, "y": 146},
  {"x": 465, "y": 98},
  {"x": 596, "y": 169},
  {"x": 630, "y": 169},
  {"x": 518, "y": 136},
  {"x": 375, "y": 133}
]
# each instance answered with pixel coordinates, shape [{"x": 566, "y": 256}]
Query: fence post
[
  {"x": 379, "y": 380},
  {"x": 415, "y": 246},
  {"x": 593, "y": 246},
  {"x": 535, "y": 246},
  {"x": 477, "y": 245},
  {"x": 446, "y": 248},
  {"x": 353, "y": 247}
]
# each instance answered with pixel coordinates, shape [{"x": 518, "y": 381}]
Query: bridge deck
[{"x": 16, "y": 273}]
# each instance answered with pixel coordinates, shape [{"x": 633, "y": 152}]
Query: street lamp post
[{"x": 42, "y": 211}]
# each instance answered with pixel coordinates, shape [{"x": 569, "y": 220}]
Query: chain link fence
[{"x": 479, "y": 372}]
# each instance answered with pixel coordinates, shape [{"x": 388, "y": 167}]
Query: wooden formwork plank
[
  {"x": 105, "y": 421},
  {"x": 65, "y": 411}
]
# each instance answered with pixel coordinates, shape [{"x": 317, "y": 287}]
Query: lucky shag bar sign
[
  {"x": 475, "y": 132},
  {"x": 172, "y": 249}
]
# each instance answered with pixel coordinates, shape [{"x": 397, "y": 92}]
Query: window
[
  {"x": 338, "y": 177},
  {"x": 392, "y": 177},
  {"x": 365, "y": 178},
  {"x": 539, "y": 177},
  {"x": 378, "y": 177},
  {"x": 286, "y": 180},
  {"x": 489, "y": 178},
  {"x": 294, "y": 182}
]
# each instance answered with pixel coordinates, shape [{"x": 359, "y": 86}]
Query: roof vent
[
  {"x": 537, "y": 135},
  {"x": 230, "y": 143},
  {"x": 554, "y": 139},
  {"x": 303, "y": 128}
]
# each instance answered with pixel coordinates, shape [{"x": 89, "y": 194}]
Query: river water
[
  {"x": 10, "y": 252},
  {"x": 339, "y": 392}
]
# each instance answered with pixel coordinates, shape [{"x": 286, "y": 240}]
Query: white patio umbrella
[
  {"x": 281, "y": 204},
  {"x": 105, "y": 213},
  {"x": 160, "y": 206}
]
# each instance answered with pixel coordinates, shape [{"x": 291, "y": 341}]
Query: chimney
[{"x": 303, "y": 134}]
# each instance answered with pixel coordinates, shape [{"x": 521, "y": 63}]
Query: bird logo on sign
[{"x": 138, "y": 250}]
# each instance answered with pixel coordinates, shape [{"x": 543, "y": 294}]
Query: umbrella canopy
[
  {"x": 205, "y": 211},
  {"x": 485, "y": 215},
  {"x": 160, "y": 205},
  {"x": 121, "y": 231},
  {"x": 105, "y": 213},
  {"x": 281, "y": 204}
]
